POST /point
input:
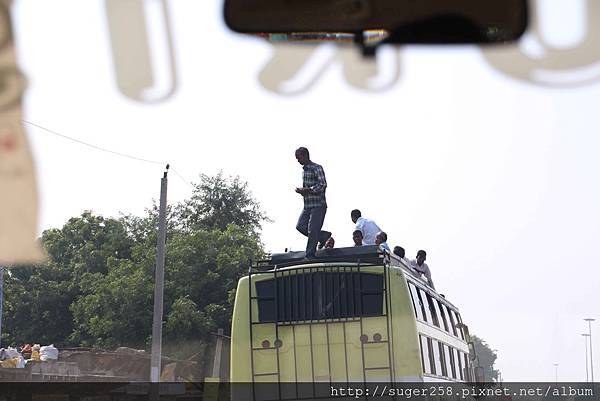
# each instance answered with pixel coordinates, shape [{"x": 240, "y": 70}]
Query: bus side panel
[
  {"x": 407, "y": 354},
  {"x": 241, "y": 369}
]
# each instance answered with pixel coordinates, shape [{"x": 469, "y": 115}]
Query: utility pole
[
  {"x": 590, "y": 320},
  {"x": 159, "y": 282},
  {"x": 587, "y": 373}
]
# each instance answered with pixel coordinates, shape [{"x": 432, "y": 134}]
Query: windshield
[{"x": 484, "y": 157}]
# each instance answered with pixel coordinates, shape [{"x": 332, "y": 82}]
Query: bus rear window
[{"x": 319, "y": 296}]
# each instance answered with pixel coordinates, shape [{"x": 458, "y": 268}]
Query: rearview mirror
[{"x": 380, "y": 21}]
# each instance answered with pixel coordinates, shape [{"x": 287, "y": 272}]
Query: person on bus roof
[
  {"x": 399, "y": 251},
  {"x": 313, "y": 188},
  {"x": 357, "y": 237},
  {"x": 381, "y": 241},
  {"x": 368, "y": 227},
  {"x": 421, "y": 267}
]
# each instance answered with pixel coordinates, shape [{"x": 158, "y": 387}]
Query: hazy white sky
[{"x": 494, "y": 175}]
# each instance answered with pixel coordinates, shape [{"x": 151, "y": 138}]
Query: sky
[{"x": 486, "y": 158}]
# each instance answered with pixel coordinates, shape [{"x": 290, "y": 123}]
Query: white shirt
[
  {"x": 385, "y": 246},
  {"x": 369, "y": 230},
  {"x": 423, "y": 270}
]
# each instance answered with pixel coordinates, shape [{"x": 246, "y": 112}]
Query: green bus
[{"x": 356, "y": 314}]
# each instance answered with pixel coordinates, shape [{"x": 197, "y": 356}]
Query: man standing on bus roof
[
  {"x": 368, "y": 227},
  {"x": 315, "y": 206},
  {"x": 421, "y": 267}
]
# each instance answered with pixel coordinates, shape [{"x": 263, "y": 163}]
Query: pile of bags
[{"x": 11, "y": 358}]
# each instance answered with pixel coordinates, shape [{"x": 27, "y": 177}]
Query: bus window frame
[
  {"x": 426, "y": 310},
  {"x": 462, "y": 333},
  {"x": 442, "y": 348},
  {"x": 432, "y": 309},
  {"x": 467, "y": 368},
  {"x": 452, "y": 320},
  {"x": 449, "y": 350},
  {"x": 460, "y": 365},
  {"x": 437, "y": 357},
  {"x": 426, "y": 360},
  {"x": 413, "y": 290},
  {"x": 440, "y": 309}
]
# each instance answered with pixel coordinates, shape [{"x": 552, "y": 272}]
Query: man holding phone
[{"x": 315, "y": 206}]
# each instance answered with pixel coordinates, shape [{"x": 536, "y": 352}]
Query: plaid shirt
[{"x": 313, "y": 177}]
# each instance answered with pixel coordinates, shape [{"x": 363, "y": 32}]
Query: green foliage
[
  {"x": 219, "y": 201},
  {"x": 486, "y": 357},
  {"x": 37, "y": 298},
  {"x": 97, "y": 288}
]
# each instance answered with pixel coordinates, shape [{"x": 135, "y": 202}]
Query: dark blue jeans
[{"x": 310, "y": 224}]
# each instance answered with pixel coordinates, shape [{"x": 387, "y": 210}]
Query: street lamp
[
  {"x": 555, "y": 372},
  {"x": 590, "y": 320},
  {"x": 587, "y": 374}
]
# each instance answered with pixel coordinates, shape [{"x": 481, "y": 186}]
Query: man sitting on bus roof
[
  {"x": 357, "y": 237},
  {"x": 368, "y": 227},
  {"x": 381, "y": 241},
  {"x": 421, "y": 267},
  {"x": 399, "y": 251}
]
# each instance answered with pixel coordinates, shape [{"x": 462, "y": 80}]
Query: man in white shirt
[
  {"x": 368, "y": 227},
  {"x": 421, "y": 267}
]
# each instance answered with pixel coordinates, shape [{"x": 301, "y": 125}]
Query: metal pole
[
  {"x": 218, "y": 350},
  {"x": 587, "y": 374},
  {"x": 590, "y": 320},
  {"x": 159, "y": 282},
  {"x": 1, "y": 299},
  {"x": 556, "y": 373}
]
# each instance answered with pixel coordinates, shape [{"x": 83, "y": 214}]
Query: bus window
[
  {"x": 466, "y": 368},
  {"x": 449, "y": 351},
  {"x": 431, "y": 304},
  {"x": 319, "y": 295},
  {"x": 452, "y": 320},
  {"x": 461, "y": 331},
  {"x": 442, "y": 315},
  {"x": 417, "y": 304},
  {"x": 459, "y": 366},
  {"x": 444, "y": 355},
  {"x": 437, "y": 358},
  {"x": 423, "y": 301},
  {"x": 426, "y": 355}
]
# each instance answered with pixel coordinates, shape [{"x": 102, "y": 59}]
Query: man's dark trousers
[{"x": 310, "y": 224}]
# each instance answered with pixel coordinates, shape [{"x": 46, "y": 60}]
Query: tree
[
  {"x": 486, "y": 356},
  {"x": 97, "y": 287},
  {"x": 219, "y": 201},
  {"x": 38, "y": 297}
]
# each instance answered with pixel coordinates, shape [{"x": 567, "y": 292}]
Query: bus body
[{"x": 351, "y": 315}]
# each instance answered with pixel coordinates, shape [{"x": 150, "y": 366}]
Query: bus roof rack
[{"x": 364, "y": 254}]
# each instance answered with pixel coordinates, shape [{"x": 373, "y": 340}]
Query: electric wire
[{"x": 102, "y": 149}]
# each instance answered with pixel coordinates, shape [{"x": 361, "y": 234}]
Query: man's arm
[
  {"x": 321, "y": 182},
  {"x": 428, "y": 276}
]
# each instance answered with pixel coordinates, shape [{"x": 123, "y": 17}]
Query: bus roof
[{"x": 368, "y": 254}]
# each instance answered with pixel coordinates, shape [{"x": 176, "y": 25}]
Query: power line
[
  {"x": 102, "y": 149},
  {"x": 94, "y": 146},
  {"x": 182, "y": 178}
]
